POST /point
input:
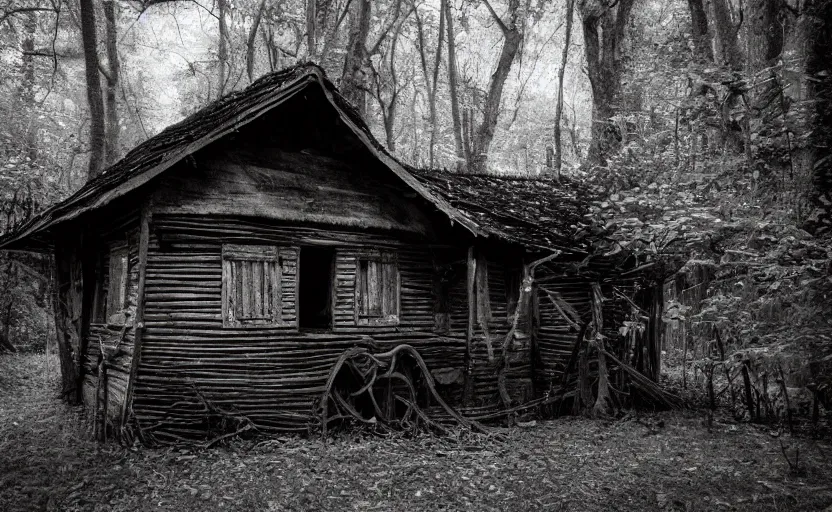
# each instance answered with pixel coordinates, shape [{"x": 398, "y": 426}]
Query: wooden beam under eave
[{"x": 144, "y": 240}]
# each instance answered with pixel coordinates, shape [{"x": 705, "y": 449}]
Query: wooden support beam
[
  {"x": 138, "y": 323},
  {"x": 469, "y": 332},
  {"x": 63, "y": 322},
  {"x": 87, "y": 254}
]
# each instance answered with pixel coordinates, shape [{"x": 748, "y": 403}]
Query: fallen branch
[{"x": 647, "y": 386}]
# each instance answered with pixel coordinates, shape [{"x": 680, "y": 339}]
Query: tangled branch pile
[{"x": 393, "y": 390}]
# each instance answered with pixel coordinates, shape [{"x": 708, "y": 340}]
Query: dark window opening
[
  {"x": 315, "y": 304},
  {"x": 111, "y": 288}
]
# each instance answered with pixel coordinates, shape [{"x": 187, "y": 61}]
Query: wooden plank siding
[
  {"x": 269, "y": 183},
  {"x": 272, "y": 375}
]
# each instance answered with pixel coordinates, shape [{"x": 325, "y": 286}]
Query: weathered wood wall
[
  {"x": 272, "y": 184},
  {"x": 555, "y": 337},
  {"x": 271, "y": 375}
]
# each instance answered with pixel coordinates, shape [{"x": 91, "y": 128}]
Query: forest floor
[{"x": 664, "y": 461}]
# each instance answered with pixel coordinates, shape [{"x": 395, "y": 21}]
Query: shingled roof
[{"x": 543, "y": 214}]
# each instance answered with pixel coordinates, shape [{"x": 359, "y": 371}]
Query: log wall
[{"x": 191, "y": 364}]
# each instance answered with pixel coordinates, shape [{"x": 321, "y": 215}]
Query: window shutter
[
  {"x": 256, "y": 282},
  {"x": 377, "y": 289},
  {"x": 288, "y": 265}
]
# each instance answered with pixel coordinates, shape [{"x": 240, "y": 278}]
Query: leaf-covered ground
[{"x": 668, "y": 461}]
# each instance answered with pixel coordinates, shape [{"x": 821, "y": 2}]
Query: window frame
[
  {"x": 265, "y": 254},
  {"x": 388, "y": 269}
]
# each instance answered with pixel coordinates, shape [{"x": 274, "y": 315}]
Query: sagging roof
[{"x": 536, "y": 213}]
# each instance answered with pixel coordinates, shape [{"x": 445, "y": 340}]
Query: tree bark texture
[
  {"x": 605, "y": 29},
  {"x": 94, "y": 95},
  {"x": 112, "y": 79},
  {"x": 353, "y": 81},
  {"x": 512, "y": 38}
]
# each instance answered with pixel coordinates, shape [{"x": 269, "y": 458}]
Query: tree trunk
[
  {"x": 252, "y": 39},
  {"x": 311, "y": 27},
  {"x": 729, "y": 49},
  {"x": 818, "y": 165},
  {"x": 605, "y": 29},
  {"x": 453, "y": 78},
  {"x": 94, "y": 96},
  {"x": 222, "y": 53},
  {"x": 570, "y": 8},
  {"x": 431, "y": 80},
  {"x": 699, "y": 28},
  {"x": 513, "y": 37},
  {"x": 353, "y": 83},
  {"x": 392, "y": 107},
  {"x": 27, "y": 86},
  {"x": 766, "y": 38},
  {"x": 112, "y": 78}
]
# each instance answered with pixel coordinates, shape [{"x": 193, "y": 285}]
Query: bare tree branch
[
  {"x": 22, "y": 10},
  {"x": 496, "y": 17}
]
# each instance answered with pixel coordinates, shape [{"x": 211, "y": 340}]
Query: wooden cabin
[{"x": 232, "y": 258}]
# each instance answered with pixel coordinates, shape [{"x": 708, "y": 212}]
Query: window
[
  {"x": 110, "y": 301},
  {"x": 256, "y": 281},
  {"x": 377, "y": 289}
]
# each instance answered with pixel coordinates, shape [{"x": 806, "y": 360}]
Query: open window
[
  {"x": 316, "y": 284},
  {"x": 256, "y": 282},
  {"x": 377, "y": 289},
  {"x": 117, "y": 287},
  {"x": 113, "y": 278}
]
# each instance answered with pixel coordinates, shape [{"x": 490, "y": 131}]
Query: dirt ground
[{"x": 665, "y": 461}]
